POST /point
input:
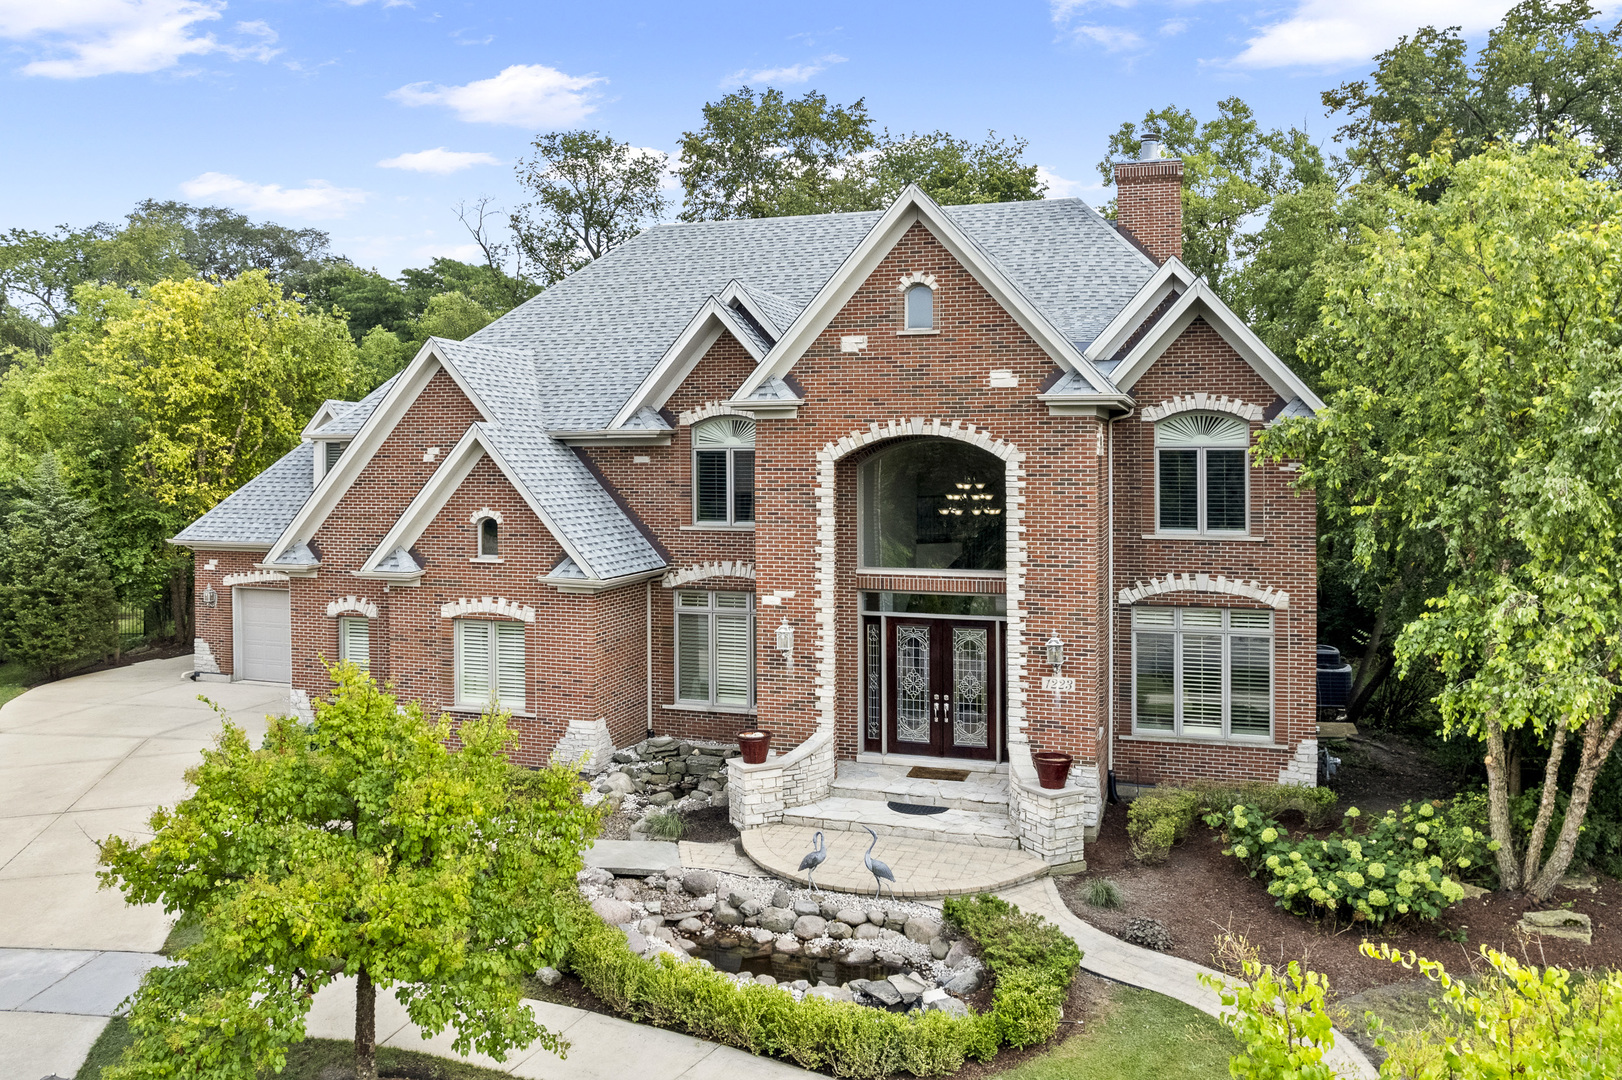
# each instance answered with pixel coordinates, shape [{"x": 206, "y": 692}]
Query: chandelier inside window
[{"x": 970, "y": 498}]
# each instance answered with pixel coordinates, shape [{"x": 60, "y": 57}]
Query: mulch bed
[{"x": 1200, "y": 893}]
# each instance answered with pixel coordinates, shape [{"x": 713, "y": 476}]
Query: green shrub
[
  {"x": 1033, "y": 962},
  {"x": 1101, "y": 892},
  {"x": 1161, "y": 818},
  {"x": 1393, "y": 869},
  {"x": 664, "y": 825}
]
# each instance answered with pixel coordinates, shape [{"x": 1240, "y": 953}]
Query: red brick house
[{"x": 929, "y": 483}]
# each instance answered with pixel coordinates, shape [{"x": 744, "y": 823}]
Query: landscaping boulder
[
  {"x": 689, "y": 926},
  {"x": 958, "y": 953},
  {"x": 1149, "y": 933},
  {"x": 966, "y": 980},
  {"x": 766, "y": 980},
  {"x": 779, "y": 920},
  {"x": 807, "y": 927},
  {"x": 737, "y": 899},
  {"x": 698, "y": 882},
  {"x": 882, "y": 992},
  {"x": 751, "y": 907},
  {"x": 807, "y": 906},
  {"x": 617, "y": 782},
  {"x": 1571, "y": 925},
  {"x": 838, "y": 930},
  {"x": 832, "y": 993},
  {"x": 861, "y": 954},
  {"x": 613, "y": 912},
  {"x": 661, "y": 798},
  {"x": 549, "y": 976},
  {"x": 922, "y": 931},
  {"x": 910, "y": 987},
  {"x": 727, "y": 915},
  {"x": 939, "y": 947},
  {"x": 895, "y": 920},
  {"x": 891, "y": 960},
  {"x": 875, "y": 915},
  {"x": 782, "y": 898},
  {"x": 851, "y": 916},
  {"x": 595, "y": 875},
  {"x": 787, "y": 944},
  {"x": 623, "y": 891},
  {"x": 947, "y": 1004},
  {"x": 761, "y": 936}
]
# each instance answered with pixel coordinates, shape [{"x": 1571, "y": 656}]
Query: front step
[
  {"x": 955, "y": 826},
  {"x": 982, "y": 792}
]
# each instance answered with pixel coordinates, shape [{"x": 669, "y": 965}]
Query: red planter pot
[
  {"x": 754, "y": 745},
  {"x": 1052, "y": 768}
]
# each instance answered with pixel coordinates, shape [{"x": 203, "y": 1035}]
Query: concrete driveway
[{"x": 81, "y": 760}]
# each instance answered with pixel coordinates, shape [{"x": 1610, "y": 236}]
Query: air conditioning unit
[{"x": 1334, "y": 679}]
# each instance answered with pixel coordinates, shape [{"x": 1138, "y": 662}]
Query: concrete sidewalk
[{"x": 80, "y": 760}]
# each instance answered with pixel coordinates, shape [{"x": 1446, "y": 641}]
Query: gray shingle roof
[
  {"x": 258, "y": 511},
  {"x": 352, "y": 414}
]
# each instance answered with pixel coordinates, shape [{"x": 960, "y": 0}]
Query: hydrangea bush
[{"x": 1406, "y": 864}]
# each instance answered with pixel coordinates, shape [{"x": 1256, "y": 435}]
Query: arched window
[
  {"x": 1202, "y": 484},
  {"x": 489, "y": 538},
  {"x": 920, "y": 308},
  {"x": 933, "y": 504},
  {"x": 724, "y": 471}
]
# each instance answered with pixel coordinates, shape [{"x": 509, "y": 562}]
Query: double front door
[{"x": 937, "y": 687}]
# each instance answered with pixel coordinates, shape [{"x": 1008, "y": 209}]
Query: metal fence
[{"x": 138, "y": 623}]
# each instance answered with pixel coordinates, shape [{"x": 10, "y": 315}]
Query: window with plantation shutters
[
  {"x": 1201, "y": 483},
  {"x": 715, "y": 649},
  {"x": 1202, "y": 672},
  {"x": 724, "y": 471},
  {"x": 355, "y": 642},
  {"x": 490, "y": 664}
]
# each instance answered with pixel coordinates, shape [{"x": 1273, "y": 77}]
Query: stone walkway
[
  {"x": 1112, "y": 958},
  {"x": 923, "y": 868},
  {"x": 601, "y": 1047},
  {"x": 724, "y": 857}
]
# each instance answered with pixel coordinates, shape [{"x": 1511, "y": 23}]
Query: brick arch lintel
[
  {"x": 917, "y": 277},
  {"x": 698, "y": 572},
  {"x": 485, "y": 512},
  {"x": 827, "y": 650},
  {"x": 487, "y": 605},
  {"x": 690, "y": 417},
  {"x": 352, "y": 605},
  {"x": 255, "y": 577},
  {"x": 1203, "y": 402},
  {"x": 1211, "y": 583}
]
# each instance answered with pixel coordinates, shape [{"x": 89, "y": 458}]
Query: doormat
[
  {"x": 925, "y": 772},
  {"x": 914, "y": 808}
]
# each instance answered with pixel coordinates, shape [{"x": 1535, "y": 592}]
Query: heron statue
[
  {"x": 818, "y": 855},
  {"x": 881, "y": 873}
]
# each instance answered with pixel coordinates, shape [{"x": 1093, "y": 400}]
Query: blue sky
[{"x": 373, "y": 118}]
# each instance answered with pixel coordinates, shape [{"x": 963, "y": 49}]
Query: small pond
[{"x": 787, "y": 969}]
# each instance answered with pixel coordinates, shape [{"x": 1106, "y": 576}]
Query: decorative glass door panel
[{"x": 943, "y": 694}]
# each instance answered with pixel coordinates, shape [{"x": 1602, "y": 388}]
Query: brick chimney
[{"x": 1149, "y": 199}]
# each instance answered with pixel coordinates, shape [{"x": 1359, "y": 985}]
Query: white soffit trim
[
  {"x": 473, "y": 446},
  {"x": 912, "y": 206},
  {"x": 1201, "y": 300},
  {"x": 331, "y": 487},
  {"x": 324, "y": 415},
  {"x": 702, "y": 331},
  {"x": 1171, "y": 275},
  {"x": 736, "y": 291}
]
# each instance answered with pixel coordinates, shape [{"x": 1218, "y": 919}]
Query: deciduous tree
[
  {"x": 588, "y": 194},
  {"x": 359, "y": 845}
]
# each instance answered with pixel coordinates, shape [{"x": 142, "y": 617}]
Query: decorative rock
[
  {"x": 766, "y": 980},
  {"x": 875, "y": 915},
  {"x": 1149, "y": 933},
  {"x": 909, "y": 987},
  {"x": 891, "y": 960},
  {"x": 761, "y": 936},
  {"x": 661, "y": 798},
  {"x": 787, "y": 944},
  {"x": 851, "y": 916},
  {"x": 807, "y": 906},
  {"x": 828, "y": 909},
  {"x": 861, "y": 954},
  {"x": 966, "y": 981},
  {"x": 618, "y": 782},
  {"x": 807, "y": 927},
  {"x": 939, "y": 947},
  {"x": 704, "y": 903},
  {"x": 658, "y": 768},
  {"x": 951, "y": 1006},
  {"x": 895, "y": 920},
  {"x": 1580, "y": 882},
  {"x": 634, "y": 858},
  {"x": 655, "y": 907},
  {"x": 782, "y": 898},
  {"x": 737, "y": 899},
  {"x": 1572, "y": 925},
  {"x": 751, "y": 907},
  {"x": 698, "y": 882},
  {"x": 549, "y": 976},
  {"x": 1474, "y": 892},
  {"x": 800, "y": 985},
  {"x": 726, "y": 915},
  {"x": 958, "y": 953},
  {"x": 922, "y": 931},
  {"x": 779, "y": 920},
  {"x": 882, "y": 992},
  {"x": 832, "y": 993},
  {"x": 622, "y": 891},
  {"x": 595, "y": 875},
  {"x": 613, "y": 912},
  {"x": 689, "y": 926},
  {"x": 838, "y": 930},
  {"x": 636, "y": 942},
  {"x": 687, "y": 945},
  {"x": 868, "y": 932},
  {"x": 624, "y": 757}
]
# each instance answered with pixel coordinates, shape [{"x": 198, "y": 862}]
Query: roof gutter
[
  {"x": 614, "y": 437},
  {"x": 1102, "y": 406}
]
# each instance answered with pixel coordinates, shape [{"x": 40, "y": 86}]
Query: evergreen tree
[{"x": 57, "y": 603}]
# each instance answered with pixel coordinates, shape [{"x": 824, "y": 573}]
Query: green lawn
[
  {"x": 1138, "y": 1035},
  {"x": 11, "y": 681}
]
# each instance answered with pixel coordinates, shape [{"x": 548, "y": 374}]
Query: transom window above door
[
  {"x": 1202, "y": 479},
  {"x": 933, "y": 504},
  {"x": 724, "y": 471}
]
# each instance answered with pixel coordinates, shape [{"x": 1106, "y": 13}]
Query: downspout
[
  {"x": 648, "y": 637},
  {"x": 1109, "y": 597}
]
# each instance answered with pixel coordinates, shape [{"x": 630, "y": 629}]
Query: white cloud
[
  {"x": 1332, "y": 33},
  {"x": 1173, "y": 27},
  {"x": 1113, "y": 38},
  {"x": 438, "y": 160},
  {"x": 317, "y": 199},
  {"x": 524, "y": 95},
  {"x": 83, "y": 38},
  {"x": 1060, "y": 188},
  {"x": 787, "y": 76}
]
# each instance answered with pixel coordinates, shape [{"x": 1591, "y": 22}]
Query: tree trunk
[
  {"x": 1512, "y": 764},
  {"x": 1597, "y": 745},
  {"x": 1551, "y": 785},
  {"x": 1372, "y": 669},
  {"x": 1509, "y": 871},
  {"x": 365, "y": 1027}
]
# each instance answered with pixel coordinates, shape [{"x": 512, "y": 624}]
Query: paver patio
[{"x": 923, "y": 868}]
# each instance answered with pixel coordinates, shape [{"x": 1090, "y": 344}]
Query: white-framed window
[
  {"x": 1202, "y": 475},
  {"x": 920, "y": 307},
  {"x": 715, "y": 649},
  {"x": 490, "y": 664},
  {"x": 489, "y": 538},
  {"x": 1202, "y": 672},
  {"x": 355, "y": 641},
  {"x": 724, "y": 471}
]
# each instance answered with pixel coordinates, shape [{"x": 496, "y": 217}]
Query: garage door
[{"x": 264, "y": 635}]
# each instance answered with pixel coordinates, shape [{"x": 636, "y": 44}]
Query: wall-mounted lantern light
[
  {"x": 1055, "y": 651},
  {"x": 785, "y": 642},
  {"x": 210, "y": 597}
]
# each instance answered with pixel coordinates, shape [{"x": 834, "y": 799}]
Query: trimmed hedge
[
  {"x": 1159, "y": 818},
  {"x": 1032, "y": 960}
]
